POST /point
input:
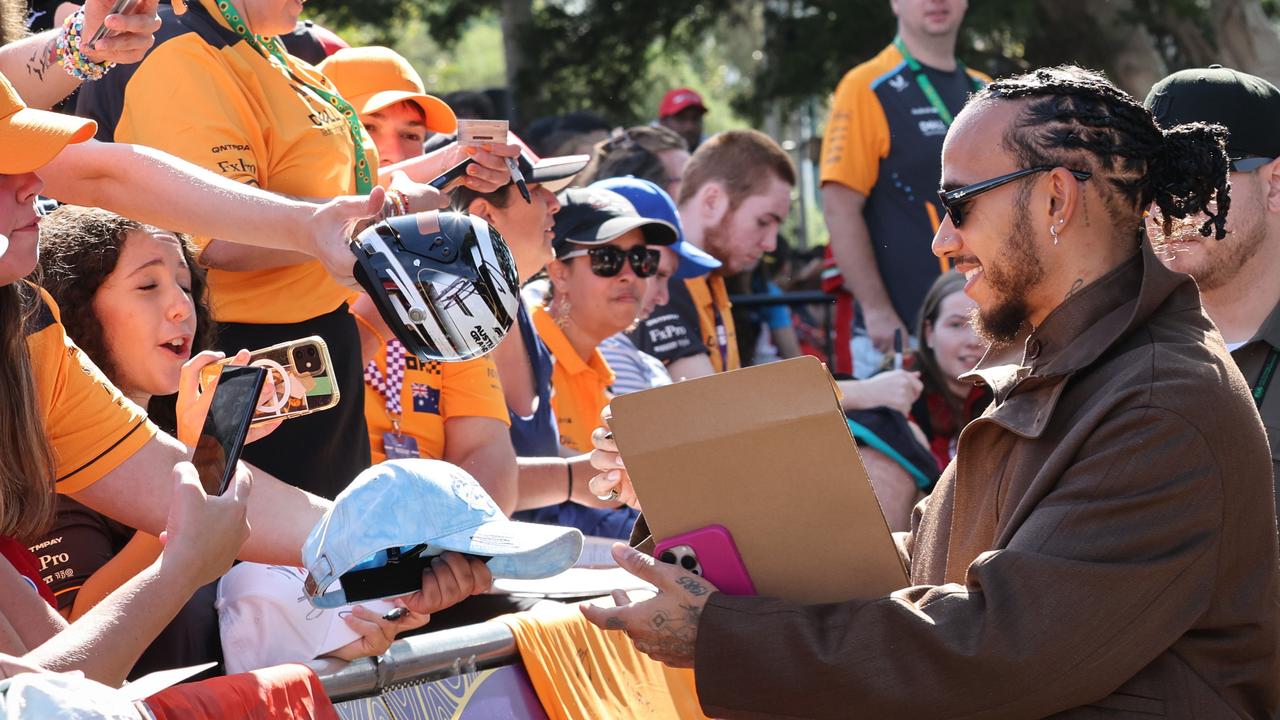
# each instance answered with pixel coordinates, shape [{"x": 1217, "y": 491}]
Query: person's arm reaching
[
  {"x": 851, "y": 246},
  {"x": 127, "y": 179},
  {"x": 280, "y": 515},
  {"x": 31, "y": 65},
  {"x": 482, "y": 447},
  {"x": 202, "y": 537},
  {"x": 547, "y": 481}
]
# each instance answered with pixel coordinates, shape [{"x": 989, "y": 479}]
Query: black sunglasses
[
  {"x": 607, "y": 260},
  {"x": 953, "y": 201}
]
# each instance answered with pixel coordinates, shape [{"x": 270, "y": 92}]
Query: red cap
[{"x": 679, "y": 99}]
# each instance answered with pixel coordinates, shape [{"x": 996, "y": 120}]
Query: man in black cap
[{"x": 1238, "y": 275}]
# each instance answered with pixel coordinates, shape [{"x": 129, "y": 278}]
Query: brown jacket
[{"x": 1103, "y": 545}]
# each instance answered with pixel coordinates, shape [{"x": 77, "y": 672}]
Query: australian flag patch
[{"x": 426, "y": 399}]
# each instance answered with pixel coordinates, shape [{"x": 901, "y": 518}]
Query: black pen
[
  {"x": 518, "y": 178},
  {"x": 897, "y": 349}
]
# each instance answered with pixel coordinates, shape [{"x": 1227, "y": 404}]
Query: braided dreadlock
[{"x": 1076, "y": 118}]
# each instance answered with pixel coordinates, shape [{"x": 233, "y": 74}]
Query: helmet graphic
[{"x": 444, "y": 282}]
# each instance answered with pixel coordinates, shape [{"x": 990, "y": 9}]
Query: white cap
[{"x": 265, "y": 619}]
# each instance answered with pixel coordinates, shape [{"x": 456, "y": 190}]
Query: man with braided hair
[{"x": 1092, "y": 551}]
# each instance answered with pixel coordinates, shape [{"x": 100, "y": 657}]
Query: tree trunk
[
  {"x": 1101, "y": 38},
  {"x": 1246, "y": 38},
  {"x": 516, "y": 15}
]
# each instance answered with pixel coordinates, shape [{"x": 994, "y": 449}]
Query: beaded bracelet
[
  {"x": 73, "y": 59},
  {"x": 399, "y": 201}
]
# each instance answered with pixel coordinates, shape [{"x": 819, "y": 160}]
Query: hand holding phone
[
  {"x": 299, "y": 378},
  {"x": 119, "y": 7},
  {"x": 708, "y": 552},
  {"x": 225, "y": 426},
  {"x": 450, "y": 179}
]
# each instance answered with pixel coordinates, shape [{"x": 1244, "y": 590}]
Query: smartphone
[
  {"x": 225, "y": 427},
  {"x": 300, "y": 374},
  {"x": 453, "y": 177},
  {"x": 119, "y": 6},
  {"x": 711, "y": 553}
]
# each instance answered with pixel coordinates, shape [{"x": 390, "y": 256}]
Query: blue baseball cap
[
  {"x": 653, "y": 202},
  {"x": 397, "y": 507}
]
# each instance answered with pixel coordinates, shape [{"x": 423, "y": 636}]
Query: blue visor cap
[
  {"x": 653, "y": 202},
  {"x": 384, "y": 528}
]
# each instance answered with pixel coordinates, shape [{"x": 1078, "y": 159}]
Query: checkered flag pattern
[{"x": 389, "y": 385}]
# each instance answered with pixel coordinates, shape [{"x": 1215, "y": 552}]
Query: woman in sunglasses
[{"x": 605, "y": 254}]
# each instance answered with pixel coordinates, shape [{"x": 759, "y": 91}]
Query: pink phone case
[{"x": 716, "y": 553}]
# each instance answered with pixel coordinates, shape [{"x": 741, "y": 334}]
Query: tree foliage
[{"x": 601, "y": 54}]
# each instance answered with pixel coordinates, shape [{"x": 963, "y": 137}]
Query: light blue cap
[
  {"x": 408, "y": 502},
  {"x": 653, "y": 202}
]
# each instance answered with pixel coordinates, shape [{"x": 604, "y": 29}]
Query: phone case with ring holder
[{"x": 301, "y": 373}]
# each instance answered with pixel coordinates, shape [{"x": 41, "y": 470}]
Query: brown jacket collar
[{"x": 1073, "y": 336}]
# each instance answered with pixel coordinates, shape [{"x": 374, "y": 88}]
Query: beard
[
  {"x": 1222, "y": 259},
  {"x": 1018, "y": 270}
]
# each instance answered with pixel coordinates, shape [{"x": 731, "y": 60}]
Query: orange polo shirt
[
  {"x": 205, "y": 95},
  {"x": 92, "y": 428},
  {"x": 580, "y": 388}
]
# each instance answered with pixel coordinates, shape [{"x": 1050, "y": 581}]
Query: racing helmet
[{"x": 444, "y": 282}]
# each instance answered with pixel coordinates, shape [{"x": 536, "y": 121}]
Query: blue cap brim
[{"x": 694, "y": 262}]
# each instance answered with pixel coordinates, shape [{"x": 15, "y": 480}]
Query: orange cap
[
  {"x": 372, "y": 78},
  {"x": 31, "y": 138}
]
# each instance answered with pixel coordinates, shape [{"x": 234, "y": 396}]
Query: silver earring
[{"x": 1053, "y": 230}]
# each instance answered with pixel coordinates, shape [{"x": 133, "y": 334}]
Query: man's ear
[
  {"x": 713, "y": 201},
  {"x": 1269, "y": 176},
  {"x": 1066, "y": 194}
]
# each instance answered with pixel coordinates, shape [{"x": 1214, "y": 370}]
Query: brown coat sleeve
[{"x": 1107, "y": 571}]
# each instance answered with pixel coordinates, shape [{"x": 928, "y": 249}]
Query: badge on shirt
[{"x": 397, "y": 446}]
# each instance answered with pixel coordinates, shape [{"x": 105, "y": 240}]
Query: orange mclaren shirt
[
  {"x": 205, "y": 95},
  {"x": 580, "y": 388},
  {"x": 92, "y": 428}
]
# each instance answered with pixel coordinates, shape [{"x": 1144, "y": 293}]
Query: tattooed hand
[{"x": 664, "y": 627}]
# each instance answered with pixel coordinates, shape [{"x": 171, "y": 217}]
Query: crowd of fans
[{"x": 1068, "y": 434}]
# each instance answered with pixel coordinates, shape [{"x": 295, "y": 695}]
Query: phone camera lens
[
  {"x": 688, "y": 563},
  {"x": 668, "y": 557}
]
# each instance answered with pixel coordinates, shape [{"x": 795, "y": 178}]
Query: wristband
[
  {"x": 399, "y": 201},
  {"x": 568, "y": 465},
  {"x": 71, "y": 55}
]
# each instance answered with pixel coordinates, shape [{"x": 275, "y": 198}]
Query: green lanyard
[
  {"x": 269, "y": 47},
  {"x": 1264, "y": 377},
  {"x": 926, "y": 85}
]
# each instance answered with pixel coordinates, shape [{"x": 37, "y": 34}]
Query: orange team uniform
[
  {"x": 884, "y": 140},
  {"x": 92, "y": 427},
  {"x": 430, "y": 393},
  {"x": 580, "y": 389}
]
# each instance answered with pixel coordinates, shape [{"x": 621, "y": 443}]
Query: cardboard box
[{"x": 766, "y": 452}]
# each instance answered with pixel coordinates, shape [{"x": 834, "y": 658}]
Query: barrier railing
[
  {"x": 419, "y": 658},
  {"x": 791, "y": 299}
]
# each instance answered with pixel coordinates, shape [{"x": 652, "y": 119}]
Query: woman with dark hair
[
  {"x": 134, "y": 303},
  {"x": 948, "y": 348}
]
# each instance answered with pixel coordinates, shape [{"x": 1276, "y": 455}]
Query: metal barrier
[
  {"x": 791, "y": 299},
  {"x": 419, "y": 658}
]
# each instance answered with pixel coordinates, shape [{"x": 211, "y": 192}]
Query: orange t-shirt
[
  {"x": 206, "y": 96},
  {"x": 92, "y": 427},
  {"x": 580, "y": 388},
  {"x": 432, "y": 393}
]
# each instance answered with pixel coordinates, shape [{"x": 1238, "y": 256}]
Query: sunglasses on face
[
  {"x": 607, "y": 260},
  {"x": 953, "y": 201}
]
